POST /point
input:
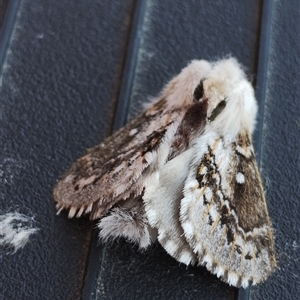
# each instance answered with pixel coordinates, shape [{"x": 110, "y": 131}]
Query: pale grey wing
[
  {"x": 224, "y": 214},
  {"x": 162, "y": 201},
  {"x": 112, "y": 170}
]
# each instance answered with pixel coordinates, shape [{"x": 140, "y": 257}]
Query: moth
[{"x": 184, "y": 172}]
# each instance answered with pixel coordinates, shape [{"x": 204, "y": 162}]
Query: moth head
[
  {"x": 232, "y": 106},
  {"x": 181, "y": 89}
]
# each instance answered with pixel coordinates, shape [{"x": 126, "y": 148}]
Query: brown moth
[{"x": 185, "y": 170}]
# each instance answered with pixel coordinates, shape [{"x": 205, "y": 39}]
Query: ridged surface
[{"x": 59, "y": 93}]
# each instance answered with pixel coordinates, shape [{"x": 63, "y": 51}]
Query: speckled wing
[
  {"x": 224, "y": 213},
  {"x": 121, "y": 165}
]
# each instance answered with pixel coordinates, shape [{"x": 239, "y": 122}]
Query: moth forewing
[{"x": 223, "y": 212}]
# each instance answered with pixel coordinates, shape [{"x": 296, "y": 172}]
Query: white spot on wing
[
  {"x": 198, "y": 249},
  {"x": 240, "y": 178},
  {"x": 133, "y": 132},
  {"x": 149, "y": 157},
  {"x": 191, "y": 185},
  {"x": 208, "y": 194},
  {"x": 213, "y": 212},
  {"x": 72, "y": 212}
]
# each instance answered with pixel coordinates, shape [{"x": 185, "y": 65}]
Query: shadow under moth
[{"x": 183, "y": 171}]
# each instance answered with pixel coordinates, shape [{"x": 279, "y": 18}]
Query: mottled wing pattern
[
  {"x": 113, "y": 170},
  {"x": 224, "y": 214}
]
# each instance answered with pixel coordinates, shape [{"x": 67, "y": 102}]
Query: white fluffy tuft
[
  {"x": 15, "y": 230},
  {"x": 126, "y": 223},
  {"x": 228, "y": 81}
]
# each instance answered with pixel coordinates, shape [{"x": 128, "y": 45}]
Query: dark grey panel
[
  {"x": 280, "y": 159},
  {"x": 59, "y": 86}
]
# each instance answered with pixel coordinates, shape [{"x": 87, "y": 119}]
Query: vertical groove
[
  {"x": 262, "y": 70},
  {"x": 261, "y": 86},
  {"x": 129, "y": 66},
  {"x": 7, "y": 28},
  {"x": 94, "y": 263}
]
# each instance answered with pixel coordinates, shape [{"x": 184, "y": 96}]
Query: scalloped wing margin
[{"x": 224, "y": 214}]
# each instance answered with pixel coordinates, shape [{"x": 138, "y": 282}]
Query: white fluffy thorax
[
  {"x": 181, "y": 88},
  {"x": 227, "y": 81}
]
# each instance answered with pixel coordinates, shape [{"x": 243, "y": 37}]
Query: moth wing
[
  {"x": 224, "y": 213},
  {"x": 162, "y": 200},
  {"x": 113, "y": 170},
  {"x": 162, "y": 204}
]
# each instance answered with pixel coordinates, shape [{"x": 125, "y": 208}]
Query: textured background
[{"x": 73, "y": 71}]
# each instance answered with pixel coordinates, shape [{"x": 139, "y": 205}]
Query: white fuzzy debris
[{"x": 15, "y": 230}]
